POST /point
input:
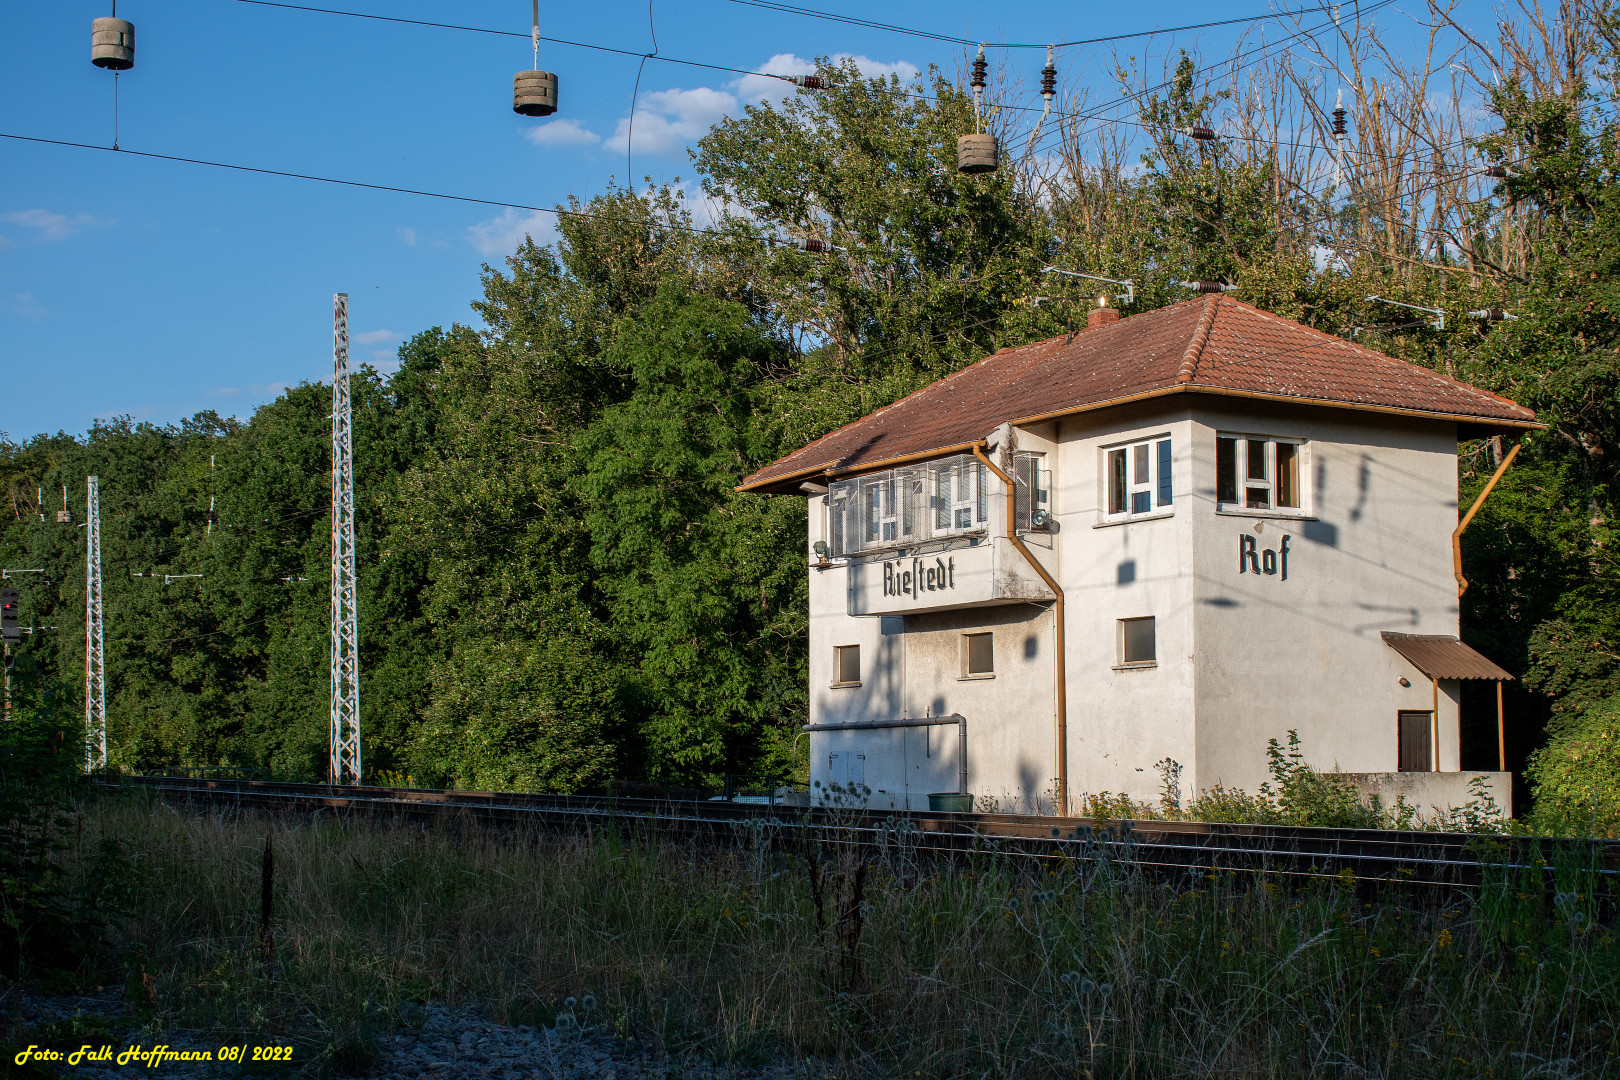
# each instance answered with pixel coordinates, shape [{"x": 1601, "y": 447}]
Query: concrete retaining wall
[{"x": 1432, "y": 792}]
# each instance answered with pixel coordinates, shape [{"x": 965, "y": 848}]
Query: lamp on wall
[{"x": 820, "y": 548}]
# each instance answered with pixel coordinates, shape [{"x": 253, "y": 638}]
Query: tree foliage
[{"x": 560, "y": 584}]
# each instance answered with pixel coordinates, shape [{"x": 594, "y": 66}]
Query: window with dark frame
[
  {"x": 1257, "y": 473},
  {"x": 1416, "y": 749},
  {"x": 1137, "y": 643},
  {"x": 980, "y": 654},
  {"x": 846, "y": 665}
]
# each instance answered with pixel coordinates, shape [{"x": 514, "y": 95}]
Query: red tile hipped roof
[{"x": 1209, "y": 345}]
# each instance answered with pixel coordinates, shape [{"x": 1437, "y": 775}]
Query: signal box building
[{"x": 1223, "y": 526}]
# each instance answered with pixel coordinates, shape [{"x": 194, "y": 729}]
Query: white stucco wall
[
  {"x": 1373, "y": 554},
  {"x": 1241, "y": 658}
]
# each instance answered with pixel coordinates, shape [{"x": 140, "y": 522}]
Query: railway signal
[{"x": 10, "y": 629}]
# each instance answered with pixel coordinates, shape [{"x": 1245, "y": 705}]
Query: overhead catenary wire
[
  {"x": 630, "y": 132},
  {"x": 812, "y": 82},
  {"x": 394, "y": 189},
  {"x": 894, "y": 28}
]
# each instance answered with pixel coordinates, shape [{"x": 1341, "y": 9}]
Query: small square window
[
  {"x": 846, "y": 665},
  {"x": 1136, "y": 641},
  {"x": 979, "y": 654}
]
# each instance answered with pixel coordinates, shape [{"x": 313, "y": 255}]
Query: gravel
[{"x": 441, "y": 1043}]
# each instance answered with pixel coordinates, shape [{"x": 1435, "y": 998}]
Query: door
[
  {"x": 1416, "y": 751},
  {"x": 846, "y": 777}
]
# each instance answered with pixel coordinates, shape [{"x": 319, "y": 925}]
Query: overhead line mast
[
  {"x": 95, "y": 665},
  {"x": 345, "y": 764}
]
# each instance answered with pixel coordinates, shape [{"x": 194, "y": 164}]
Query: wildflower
[{"x": 1445, "y": 938}]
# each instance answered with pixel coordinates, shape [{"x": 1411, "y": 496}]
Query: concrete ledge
[{"x": 1432, "y": 792}]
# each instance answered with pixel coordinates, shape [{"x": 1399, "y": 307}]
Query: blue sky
[{"x": 158, "y": 289}]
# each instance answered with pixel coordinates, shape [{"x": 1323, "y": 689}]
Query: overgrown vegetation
[
  {"x": 884, "y": 967},
  {"x": 560, "y": 586},
  {"x": 1299, "y": 794},
  {"x": 57, "y": 896}
]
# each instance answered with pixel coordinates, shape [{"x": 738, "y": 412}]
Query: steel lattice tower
[
  {"x": 95, "y": 667},
  {"x": 345, "y": 766}
]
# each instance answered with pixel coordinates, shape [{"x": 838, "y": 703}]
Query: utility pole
[
  {"x": 95, "y": 669},
  {"x": 10, "y": 633},
  {"x": 345, "y": 766}
]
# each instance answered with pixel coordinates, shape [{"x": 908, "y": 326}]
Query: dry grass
[{"x": 985, "y": 969}]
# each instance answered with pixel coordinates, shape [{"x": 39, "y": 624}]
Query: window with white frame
[
  {"x": 1257, "y": 472},
  {"x": 961, "y": 495},
  {"x": 905, "y": 506},
  {"x": 1138, "y": 478}
]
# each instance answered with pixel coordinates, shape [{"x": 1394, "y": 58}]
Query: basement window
[
  {"x": 978, "y": 656},
  {"x": 1254, "y": 472},
  {"x": 846, "y": 665},
  {"x": 1138, "y": 479},
  {"x": 1137, "y": 644}
]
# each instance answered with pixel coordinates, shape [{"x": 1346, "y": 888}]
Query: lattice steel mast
[
  {"x": 345, "y": 766},
  {"x": 95, "y": 668}
]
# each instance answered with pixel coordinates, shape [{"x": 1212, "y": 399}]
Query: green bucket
[{"x": 950, "y": 802}]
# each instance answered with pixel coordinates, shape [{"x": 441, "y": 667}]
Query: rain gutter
[
  {"x": 1060, "y": 661},
  {"x": 1456, "y": 534}
]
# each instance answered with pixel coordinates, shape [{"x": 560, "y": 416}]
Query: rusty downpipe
[
  {"x": 1456, "y": 534},
  {"x": 1060, "y": 661}
]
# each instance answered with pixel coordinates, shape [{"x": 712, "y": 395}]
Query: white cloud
[
  {"x": 502, "y": 235},
  {"x": 272, "y": 389},
  {"x": 52, "y": 226},
  {"x": 560, "y": 133},
  {"x": 25, "y": 305},
  {"x": 667, "y": 120},
  {"x": 377, "y": 337},
  {"x": 407, "y": 234}
]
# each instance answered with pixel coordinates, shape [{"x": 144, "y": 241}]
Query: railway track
[{"x": 1372, "y": 858}]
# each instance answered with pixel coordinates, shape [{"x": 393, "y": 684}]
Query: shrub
[
  {"x": 50, "y": 920},
  {"x": 1576, "y": 776}
]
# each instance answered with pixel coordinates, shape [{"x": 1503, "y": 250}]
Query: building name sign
[
  {"x": 913, "y": 577},
  {"x": 958, "y": 577},
  {"x": 1269, "y": 562}
]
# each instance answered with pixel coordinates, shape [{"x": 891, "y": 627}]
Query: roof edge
[
  {"x": 857, "y": 470},
  {"x": 1326, "y": 403},
  {"x": 1200, "y": 338}
]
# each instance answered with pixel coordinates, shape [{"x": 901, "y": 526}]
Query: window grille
[
  {"x": 961, "y": 495},
  {"x": 1032, "y": 491},
  {"x": 901, "y": 507}
]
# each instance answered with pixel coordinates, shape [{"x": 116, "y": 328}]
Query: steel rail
[{"x": 1443, "y": 860}]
